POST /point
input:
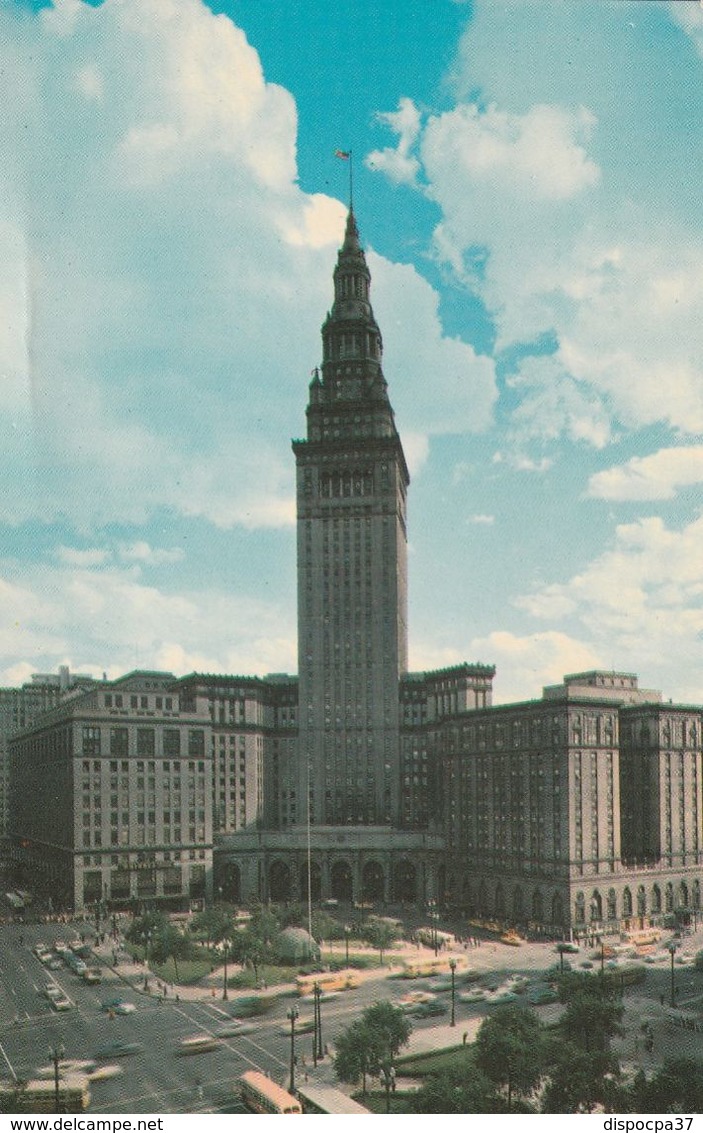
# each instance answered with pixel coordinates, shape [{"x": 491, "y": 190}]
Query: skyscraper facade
[{"x": 352, "y": 483}]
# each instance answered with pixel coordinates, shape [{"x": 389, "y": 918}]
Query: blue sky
[{"x": 527, "y": 184}]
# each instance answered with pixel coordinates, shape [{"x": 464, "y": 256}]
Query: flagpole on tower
[{"x": 346, "y": 155}]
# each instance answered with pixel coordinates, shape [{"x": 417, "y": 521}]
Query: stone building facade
[
  {"x": 357, "y": 780},
  {"x": 111, "y": 797}
]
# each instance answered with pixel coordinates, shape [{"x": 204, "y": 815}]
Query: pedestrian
[{"x": 464, "y": 1037}]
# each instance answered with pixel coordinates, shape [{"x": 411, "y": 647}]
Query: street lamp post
[
  {"x": 452, "y": 968},
  {"x": 226, "y": 945},
  {"x": 347, "y": 934},
  {"x": 434, "y": 917},
  {"x": 318, "y": 1016},
  {"x": 388, "y": 1082},
  {"x": 147, "y": 942},
  {"x": 56, "y": 1053},
  {"x": 672, "y": 949},
  {"x": 292, "y": 1015}
]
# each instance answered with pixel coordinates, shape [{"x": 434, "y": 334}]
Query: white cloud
[
  {"x": 141, "y": 552},
  {"x": 399, "y": 164},
  {"x": 640, "y": 603},
  {"x": 534, "y": 155},
  {"x": 525, "y": 664},
  {"x": 89, "y": 557},
  {"x": 106, "y": 618},
  {"x": 457, "y": 390},
  {"x": 558, "y": 244},
  {"x": 160, "y": 257},
  {"x": 658, "y": 476},
  {"x": 552, "y": 404},
  {"x": 482, "y": 520}
]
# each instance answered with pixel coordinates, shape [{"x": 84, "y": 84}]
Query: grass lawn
[
  {"x": 361, "y": 960},
  {"x": 189, "y": 971},
  {"x": 271, "y": 974},
  {"x": 375, "y": 1100},
  {"x": 434, "y": 1062}
]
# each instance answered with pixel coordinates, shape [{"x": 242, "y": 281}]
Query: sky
[{"x": 527, "y": 188}]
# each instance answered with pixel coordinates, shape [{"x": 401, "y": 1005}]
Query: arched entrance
[
  {"x": 231, "y": 888},
  {"x": 518, "y": 905},
  {"x": 373, "y": 882},
  {"x": 315, "y": 881},
  {"x": 499, "y": 902},
  {"x": 537, "y": 906},
  {"x": 280, "y": 882},
  {"x": 596, "y": 910},
  {"x": 342, "y": 883},
  {"x": 405, "y": 882},
  {"x": 558, "y": 911}
]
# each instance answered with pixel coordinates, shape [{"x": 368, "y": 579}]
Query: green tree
[
  {"x": 380, "y": 935},
  {"x": 579, "y": 1079},
  {"x": 356, "y": 1055},
  {"x": 465, "y": 1090},
  {"x": 212, "y": 925},
  {"x": 170, "y": 942},
  {"x": 593, "y": 1012},
  {"x": 249, "y": 947},
  {"x": 389, "y": 1027},
  {"x": 510, "y": 1050},
  {"x": 265, "y": 924},
  {"x": 160, "y": 939},
  {"x": 676, "y": 1087},
  {"x": 371, "y": 1043}
]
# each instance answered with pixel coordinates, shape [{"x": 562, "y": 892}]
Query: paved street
[{"x": 160, "y": 1079}]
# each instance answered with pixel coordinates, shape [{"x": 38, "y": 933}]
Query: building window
[
  {"x": 172, "y": 742},
  {"x": 196, "y": 742},
  {"x": 91, "y": 741},
  {"x": 119, "y": 740}
]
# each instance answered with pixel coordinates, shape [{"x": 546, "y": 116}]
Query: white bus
[
  {"x": 40, "y": 1096},
  {"x": 325, "y": 1099},
  {"x": 262, "y": 1095}
]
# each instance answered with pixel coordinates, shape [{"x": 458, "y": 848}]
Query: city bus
[
  {"x": 40, "y": 1096},
  {"x": 327, "y": 981},
  {"x": 325, "y": 1099},
  {"x": 261, "y": 1094}
]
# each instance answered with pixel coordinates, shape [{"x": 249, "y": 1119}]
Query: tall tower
[{"x": 352, "y": 483}]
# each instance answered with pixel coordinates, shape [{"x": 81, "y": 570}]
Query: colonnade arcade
[
  {"x": 598, "y": 908},
  {"x": 371, "y": 878}
]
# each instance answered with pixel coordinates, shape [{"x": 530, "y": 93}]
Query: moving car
[
  {"x": 198, "y": 1044},
  {"x": 118, "y": 1049},
  {"x": 233, "y": 1028},
  {"x": 117, "y": 1006}
]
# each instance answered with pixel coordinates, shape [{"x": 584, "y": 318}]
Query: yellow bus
[
  {"x": 40, "y": 1096},
  {"x": 327, "y": 981},
  {"x": 262, "y": 1095}
]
